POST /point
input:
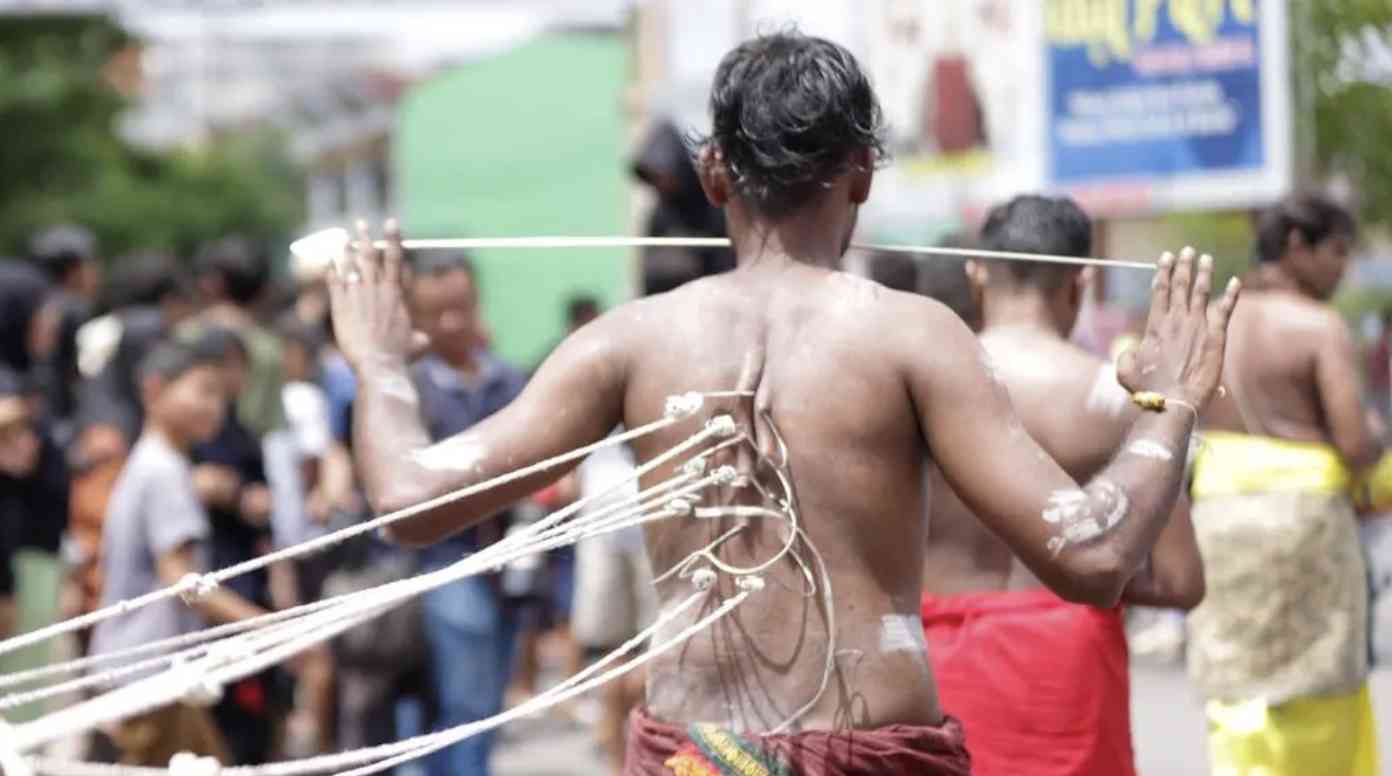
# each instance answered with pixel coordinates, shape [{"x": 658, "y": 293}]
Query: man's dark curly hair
[
  {"x": 1315, "y": 216},
  {"x": 788, "y": 111},
  {"x": 1030, "y": 223}
]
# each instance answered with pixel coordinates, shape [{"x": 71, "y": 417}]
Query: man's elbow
[
  {"x": 420, "y": 523},
  {"x": 1095, "y": 576},
  {"x": 1190, "y": 592},
  {"x": 402, "y": 535},
  {"x": 1189, "y": 599},
  {"x": 413, "y": 531}
]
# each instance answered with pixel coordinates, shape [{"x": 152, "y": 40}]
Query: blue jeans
[{"x": 471, "y": 637}]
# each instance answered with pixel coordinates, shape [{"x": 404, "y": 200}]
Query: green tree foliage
[
  {"x": 1350, "y": 116},
  {"x": 63, "y": 160}
]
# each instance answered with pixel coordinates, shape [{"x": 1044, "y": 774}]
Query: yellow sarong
[
  {"x": 1279, "y": 645},
  {"x": 1327, "y": 736}
]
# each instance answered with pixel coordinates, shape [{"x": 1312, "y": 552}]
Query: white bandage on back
[{"x": 902, "y": 633}]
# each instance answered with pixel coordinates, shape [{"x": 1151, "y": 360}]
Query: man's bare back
[
  {"x": 808, "y": 342},
  {"x": 1292, "y": 374},
  {"x": 862, "y": 385},
  {"x": 1071, "y": 404}
]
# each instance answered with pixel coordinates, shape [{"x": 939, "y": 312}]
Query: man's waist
[
  {"x": 1230, "y": 464},
  {"x": 1033, "y": 599}
]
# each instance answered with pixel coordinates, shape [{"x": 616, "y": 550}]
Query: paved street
[{"x": 1166, "y": 713}]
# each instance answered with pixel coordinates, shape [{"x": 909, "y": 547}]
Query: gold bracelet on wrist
[{"x": 1159, "y": 402}]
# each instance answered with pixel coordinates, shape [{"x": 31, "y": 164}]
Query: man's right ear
[{"x": 714, "y": 175}]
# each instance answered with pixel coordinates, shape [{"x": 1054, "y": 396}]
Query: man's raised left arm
[{"x": 398, "y": 464}]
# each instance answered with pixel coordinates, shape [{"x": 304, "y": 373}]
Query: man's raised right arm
[{"x": 1085, "y": 541}]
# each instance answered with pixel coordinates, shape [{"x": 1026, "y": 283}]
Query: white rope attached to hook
[
  {"x": 199, "y": 666},
  {"x": 207, "y": 581}
]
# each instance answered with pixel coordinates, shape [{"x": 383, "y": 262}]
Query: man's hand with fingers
[
  {"x": 1181, "y": 353},
  {"x": 371, "y": 321}
]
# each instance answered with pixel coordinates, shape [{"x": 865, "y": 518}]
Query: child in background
[{"x": 156, "y": 531}]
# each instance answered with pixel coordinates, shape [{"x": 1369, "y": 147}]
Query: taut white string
[{"x": 468, "y": 243}]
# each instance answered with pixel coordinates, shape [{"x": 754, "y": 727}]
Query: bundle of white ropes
[{"x": 195, "y": 667}]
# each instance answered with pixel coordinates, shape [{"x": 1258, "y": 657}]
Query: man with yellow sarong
[{"x": 1279, "y": 646}]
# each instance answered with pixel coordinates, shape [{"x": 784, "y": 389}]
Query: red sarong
[
  {"x": 659, "y": 749},
  {"x": 1041, "y": 685}
]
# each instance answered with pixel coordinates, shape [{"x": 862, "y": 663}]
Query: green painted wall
[{"x": 530, "y": 142}]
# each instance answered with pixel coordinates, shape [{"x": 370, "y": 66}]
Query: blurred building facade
[{"x": 329, "y": 72}]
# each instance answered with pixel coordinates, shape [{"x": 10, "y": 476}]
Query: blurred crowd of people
[{"x": 162, "y": 415}]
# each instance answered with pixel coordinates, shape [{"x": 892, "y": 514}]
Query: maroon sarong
[{"x": 659, "y": 749}]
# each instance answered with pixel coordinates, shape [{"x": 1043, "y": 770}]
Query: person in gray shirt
[{"x": 156, "y": 532}]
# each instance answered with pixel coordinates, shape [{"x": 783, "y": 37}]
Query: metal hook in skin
[{"x": 767, "y": 417}]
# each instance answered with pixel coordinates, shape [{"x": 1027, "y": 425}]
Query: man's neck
[
  {"x": 1002, "y": 310},
  {"x": 814, "y": 235},
  {"x": 1274, "y": 277},
  {"x": 777, "y": 243}
]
